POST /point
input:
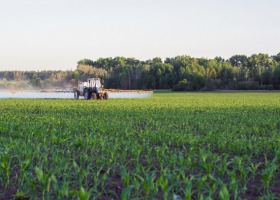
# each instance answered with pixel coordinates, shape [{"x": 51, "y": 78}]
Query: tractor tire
[
  {"x": 105, "y": 96},
  {"x": 86, "y": 95},
  {"x": 93, "y": 96},
  {"x": 76, "y": 94}
]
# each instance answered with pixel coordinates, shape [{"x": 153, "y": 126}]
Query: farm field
[{"x": 171, "y": 146}]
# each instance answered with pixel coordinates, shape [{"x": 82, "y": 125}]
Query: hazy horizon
[{"x": 54, "y": 35}]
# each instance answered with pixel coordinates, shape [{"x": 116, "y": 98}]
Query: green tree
[
  {"x": 276, "y": 57},
  {"x": 36, "y": 82},
  {"x": 276, "y": 77},
  {"x": 238, "y": 60},
  {"x": 85, "y": 61}
]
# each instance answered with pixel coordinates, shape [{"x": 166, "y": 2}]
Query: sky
[{"x": 56, "y": 34}]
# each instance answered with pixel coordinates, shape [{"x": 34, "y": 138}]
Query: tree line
[{"x": 181, "y": 73}]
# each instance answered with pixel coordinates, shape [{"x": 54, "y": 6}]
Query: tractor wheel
[
  {"x": 105, "y": 96},
  {"x": 76, "y": 94},
  {"x": 93, "y": 96},
  {"x": 86, "y": 95}
]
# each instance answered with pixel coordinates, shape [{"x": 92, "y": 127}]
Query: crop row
[{"x": 170, "y": 146}]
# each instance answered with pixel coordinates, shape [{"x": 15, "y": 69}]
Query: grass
[{"x": 170, "y": 146}]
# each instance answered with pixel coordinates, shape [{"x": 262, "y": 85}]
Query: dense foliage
[
  {"x": 170, "y": 146},
  {"x": 259, "y": 71}
]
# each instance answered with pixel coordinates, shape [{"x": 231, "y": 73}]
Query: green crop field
[{"x": 170, "y": 146}]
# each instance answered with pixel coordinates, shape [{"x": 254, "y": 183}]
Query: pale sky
[{"x": 55, "y": 34}]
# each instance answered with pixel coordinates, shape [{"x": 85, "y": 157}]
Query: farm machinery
[{"x": 90, "y": 89}]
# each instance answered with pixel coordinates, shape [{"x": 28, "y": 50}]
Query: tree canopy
[{"x": 258, "y": 71}]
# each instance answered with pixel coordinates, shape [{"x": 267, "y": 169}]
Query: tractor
[{"x": 91, "y": 89}]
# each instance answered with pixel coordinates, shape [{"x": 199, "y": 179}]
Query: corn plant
[{"x": 172, "y": 146}]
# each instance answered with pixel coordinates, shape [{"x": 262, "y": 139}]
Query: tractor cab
[{"x": 90, "y": 89}]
